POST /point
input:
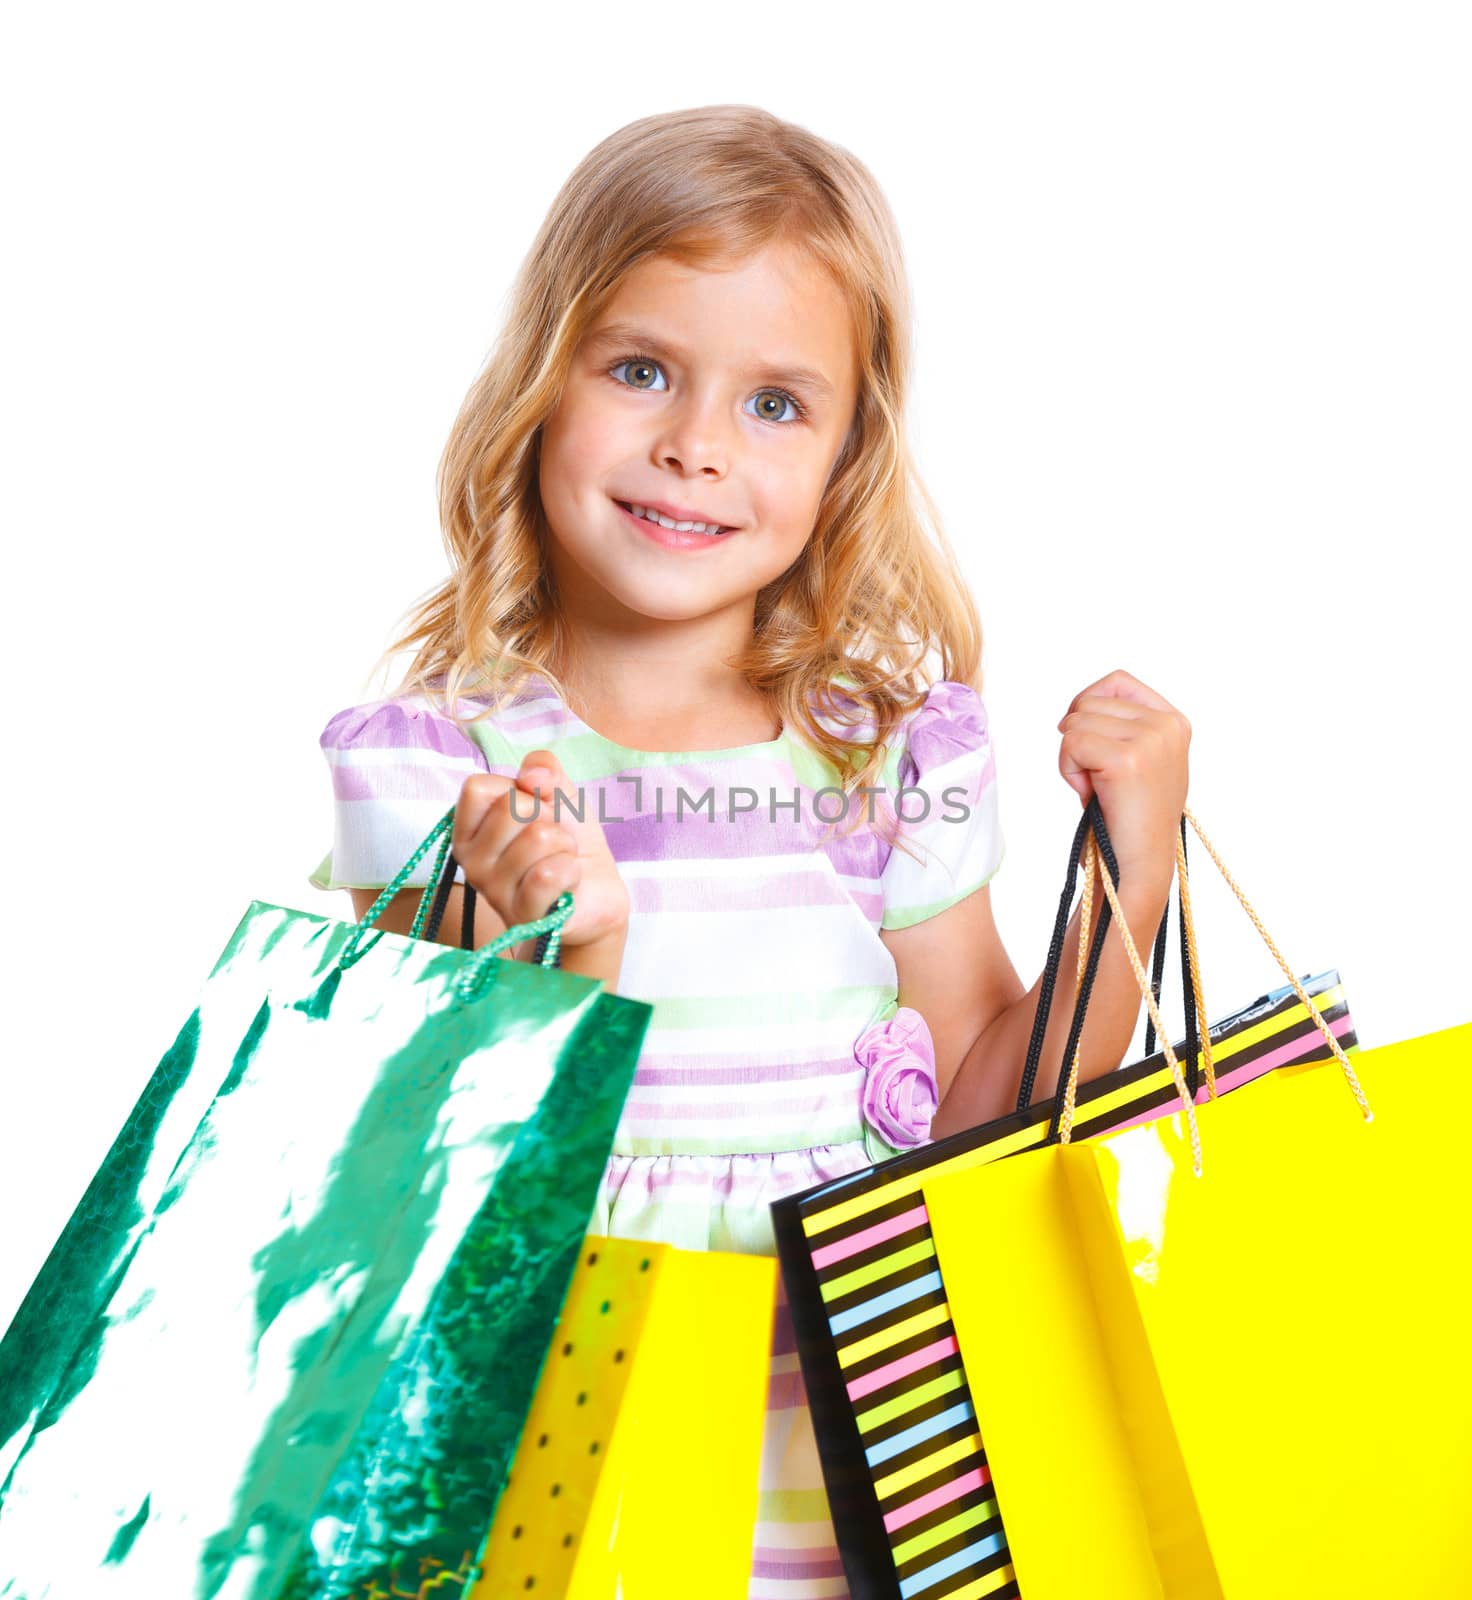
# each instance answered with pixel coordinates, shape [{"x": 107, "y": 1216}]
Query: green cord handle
[
  {"x": 486, "y": 963},
  {"x": 473, "y": 977}
]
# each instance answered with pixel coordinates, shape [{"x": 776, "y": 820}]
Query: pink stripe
[
  {"x": 404, "y": 781},
  {"x": 872, "y": 905},
  {"x": 793, "y": 1566},
  {"x": 902, "y": 1368},
  {"x": 697, "y": 1070},
  {"x": 659, "y": 836},
  {"x": 836, "y": 1100},
  {"x": 528, "y": 715},
  {"x": 937, "y": 1497},
  {"x": 813, "y": 885},
  {"x": 875, "y": 1235},
  {"x": 1294, "y": 1050},
  {"x": 766, "y": 1176},
  {"x": 786, "y": 1392},
  {"x": 778, "y": 892}
]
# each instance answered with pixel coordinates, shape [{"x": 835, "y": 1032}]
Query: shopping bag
[
  {"x": 637, "y": 1470},
  {"x": 1345, "y": 1244},
  {"x": 908, "y": 1477},
  {"x": 287, "y": 1340},
  {"x": 1247, "y": 1382}
]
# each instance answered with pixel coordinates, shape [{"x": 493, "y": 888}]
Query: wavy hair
[{"x": 846, "y": 631}]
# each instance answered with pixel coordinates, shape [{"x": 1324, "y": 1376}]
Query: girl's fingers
[
  {"x": 541, "y": 884},
  {"x": 1099, "y": 706},
  {"x": 500, "y": 830},
  {"x": 533, "y": 842},
  {"x": 1075, "y": 773},
  {"x": 542, "y": 773},
  {"x": 492, "y": 809},
  {"x": 473, "y": 808},
  {"x": 513, "y": 848},
  {"x": 1099, "y": 749},
  {"x": 1108, "y": 725},
  {"x": 1121, "y": 685}
]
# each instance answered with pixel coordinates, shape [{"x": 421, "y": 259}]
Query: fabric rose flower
[{"x": 900, "y": 1093}]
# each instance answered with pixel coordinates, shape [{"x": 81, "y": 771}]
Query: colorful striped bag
[{"x": 903, "y": 1460}]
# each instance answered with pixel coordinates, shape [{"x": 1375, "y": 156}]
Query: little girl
[{"x": 692, "y": 597}]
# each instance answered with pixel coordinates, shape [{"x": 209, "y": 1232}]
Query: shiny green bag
[{"x": 287, "y": 1342}]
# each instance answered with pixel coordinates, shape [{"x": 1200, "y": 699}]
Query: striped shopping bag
[{"x": 903, "y": 1460}]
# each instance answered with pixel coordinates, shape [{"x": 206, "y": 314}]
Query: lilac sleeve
[
  {"x": 948, "y": 808},
  {"x": 396, "y": 766}
]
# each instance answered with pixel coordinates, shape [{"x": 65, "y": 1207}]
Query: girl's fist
[
  {"x": 1128, "y": 745},
  {"x": 521, "y": 851}
]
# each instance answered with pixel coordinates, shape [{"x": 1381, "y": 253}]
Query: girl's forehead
[
  {"x": 779, "y": 267},
  {"x": 775, "y": 305}
]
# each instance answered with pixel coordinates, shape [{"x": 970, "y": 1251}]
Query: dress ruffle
[{"x": 901, "y": 1093}]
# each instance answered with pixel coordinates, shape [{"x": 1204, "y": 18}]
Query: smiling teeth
[{"x": 712, "y": 528}]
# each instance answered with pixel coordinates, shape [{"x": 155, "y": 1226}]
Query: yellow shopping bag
[
  {"x": 1223, "y": 1354},
  {"x": 1321, "y": 1433},
  {"x": 636, "y": 1474}
]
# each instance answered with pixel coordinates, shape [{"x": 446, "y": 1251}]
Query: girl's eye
[
  {"x": 782, "y": 397},
  {"x": 646, "y": 368},
  {"x": 641, "y": 364}
]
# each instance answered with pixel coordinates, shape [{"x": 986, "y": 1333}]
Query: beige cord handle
[
  {"x": 1350, "y": 1077},
  {"x": 1188, "y": 1104},
  {"x": 1188, "y": 934},
  {"x": 1066, "y": 1121}
]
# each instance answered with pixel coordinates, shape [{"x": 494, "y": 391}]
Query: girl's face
[{"x": 724, "y": 395}]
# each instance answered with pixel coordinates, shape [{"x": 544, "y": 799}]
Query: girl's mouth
[{"x": 672, "y": 538}]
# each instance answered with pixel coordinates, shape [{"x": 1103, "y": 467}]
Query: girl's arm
[{"x": 1124, "y": 743}]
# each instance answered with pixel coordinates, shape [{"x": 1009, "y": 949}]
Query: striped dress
[{"x": 754, "y": 932}]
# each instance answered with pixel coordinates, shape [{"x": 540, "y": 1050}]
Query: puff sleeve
[
  {"x": 947, "y": 803},
  {"x": 397, "y": 766}
]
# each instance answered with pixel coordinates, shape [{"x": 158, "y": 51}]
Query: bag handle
[
  {"x": 437, "y": 891},
  {"x": 545, "y": 953},
  {"x": 1110, "y": 881},
  {"x": 1194, "y": 1004},
  {"x": 1084, "y": 845},
  {"x": 442, "y": 899},
  {"x": 1061, "y": 1127}
]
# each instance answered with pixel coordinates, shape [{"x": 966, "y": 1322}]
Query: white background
[{"x": 1192, "y": 392}]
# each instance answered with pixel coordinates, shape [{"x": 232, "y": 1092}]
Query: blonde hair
[{"x": 870, "y": 596}]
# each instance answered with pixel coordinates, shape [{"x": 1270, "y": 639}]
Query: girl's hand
[
  {"x": 522, "y": 863},
  {"x": 1126, "y": 744}
]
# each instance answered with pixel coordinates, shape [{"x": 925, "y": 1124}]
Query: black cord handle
[
  {"x": 442, "y": 898},
  {"x": 1093, "y": 817},
  {"x": 1086, "y": 984},
  {"x": 1188, "y": 989},
  {"x": 467, "y": 914}
]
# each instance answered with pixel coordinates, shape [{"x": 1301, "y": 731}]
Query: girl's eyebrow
[{"x": 629, "y": 333}]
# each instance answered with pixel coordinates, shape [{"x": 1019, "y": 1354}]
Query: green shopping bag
[{"x": 286, "y": 1344}]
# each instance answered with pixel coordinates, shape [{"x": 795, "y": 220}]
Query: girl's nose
[{"x": 697, "y": 435}]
